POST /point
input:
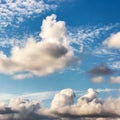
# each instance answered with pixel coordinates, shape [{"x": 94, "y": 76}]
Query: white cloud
[
  {"x": 115, "y": 79},
  {"x": 52, "y": 53},
  {"x": 63, "y": 98},
  {"x": 40, "y": 95},
  {"x": 115, "y": 64},
  {"x": 113, "y": 41},
  {"x": 46, "y": 95},
  {"x": 106, "y": 90},
  {"x": 15, "y": 11},
  {"x": 22, "y": 104},
  {"x": 84, "y": 37},
  {"x": 88, "y": 107},
  {"x": 98, "y": 79}
]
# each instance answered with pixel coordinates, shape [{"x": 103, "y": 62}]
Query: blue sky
[{"x": 80, "y": 51}]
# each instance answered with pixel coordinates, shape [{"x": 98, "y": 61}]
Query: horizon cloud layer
[{"x": 88, "y": 107}]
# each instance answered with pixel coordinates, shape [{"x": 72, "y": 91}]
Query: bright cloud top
[
  {"x": 63, "y": 98},
  {"x": 51, "y": 54},
  {"x": 88, "y": 106}
]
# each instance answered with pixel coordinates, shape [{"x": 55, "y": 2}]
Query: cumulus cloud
[
  {"x": 98, "y": 79},
  {"x": 88, "y": 107},
  {"x": 63, "y": 98},
  {"x": 115, "y": 79},
  {"x": 101, "y": 70},
  {"x": 19, "y": 108},
  {"x": 52, "y": 53},
  {"x": 113, "y": 41}
]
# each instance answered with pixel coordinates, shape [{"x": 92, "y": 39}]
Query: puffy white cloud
[
  {"x": 24, "y": 105},
  {"x": 115, "y": 79},
  {"x": 89, "y": 96},
  {"x": 19, "y": 108},
  {"x": 51, "y": 54},
  {"x": 98, "y": 79},
  {"x": 63, "y": 98},
  {"x": 88, "y": 107},
  {"x": 113, "y": 41}
]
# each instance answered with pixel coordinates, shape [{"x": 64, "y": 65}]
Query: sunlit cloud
[
  {"x": 52, "y": 53},
  {"x": 88, "y": 106}
]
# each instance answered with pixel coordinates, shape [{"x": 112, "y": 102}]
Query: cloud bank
[
  {"x": 52, "y": 53},
  {"x": 88, "y": 107}
]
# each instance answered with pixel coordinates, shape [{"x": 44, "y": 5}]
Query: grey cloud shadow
[{"x": 100, "y": 70}]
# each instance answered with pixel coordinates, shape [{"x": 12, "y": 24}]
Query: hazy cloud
[
  {"x": 98, "y": 79},
  {"x": 115, "y": 79}
]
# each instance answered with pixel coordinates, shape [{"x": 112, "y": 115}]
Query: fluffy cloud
[
  {"x": 19, "y": 108},
  {"x": 51, "y": 54},
  {"x": 113, "y": 41},
  {"x": 88, "y": 107},
  {"x": 63, "y": 98},
  {"x": 115, "y": 79}
]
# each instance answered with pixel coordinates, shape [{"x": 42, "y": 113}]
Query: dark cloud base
[{"x": 101, "y": 70}]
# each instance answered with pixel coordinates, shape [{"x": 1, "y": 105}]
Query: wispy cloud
[
  {"x": 48, "y": 95},
  {"x": 97, "y": 79},
  {"x": 113, "y": 41},
  {"x": 15, "y": 11},
  {"x": 86, "y": 36},
  {"x": 115, "y": 64},
  {"x": 23, "y": 76},
  {"x": 41, "y": 96}
]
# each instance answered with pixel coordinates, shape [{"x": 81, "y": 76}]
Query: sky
[{"x": 58, "y": 58}]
